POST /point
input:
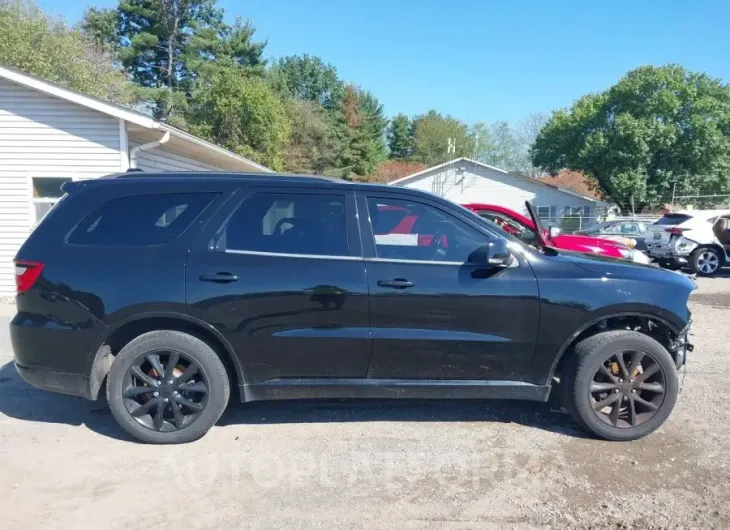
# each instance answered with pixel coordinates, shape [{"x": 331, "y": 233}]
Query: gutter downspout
[{"x": 146, "y": 147}]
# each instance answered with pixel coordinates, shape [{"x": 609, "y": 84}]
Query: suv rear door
[
  {"x": 433, "y": 314},
  {"x": 279, "y": 272}
]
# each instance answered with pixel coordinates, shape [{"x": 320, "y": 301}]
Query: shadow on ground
[{"x": 21, "y": 401}]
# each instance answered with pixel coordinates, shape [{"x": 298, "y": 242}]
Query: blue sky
[{"x": 484, "y": 59}]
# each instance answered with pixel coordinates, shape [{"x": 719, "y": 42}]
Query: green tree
[
  {"x": 243, "y": 114},
  {"x": 36, "y": 43},
  {"x": 360, "y": 126},
  {"x": 657, "y": 127},
  {"x": 101, "y": 25},
  {"x": 312, "y": 146},
  {"x": 400, "y": 141},
  {"x": 166, "y": 45},
  {"x": 308, "y": 78},
  {"x": 431, "y": 133}
]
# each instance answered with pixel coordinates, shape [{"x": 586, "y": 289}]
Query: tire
[
  {"x": 582, "y": 367},
  {"x": 210, "y": 372},
  {"x": 705, "y": 261}
]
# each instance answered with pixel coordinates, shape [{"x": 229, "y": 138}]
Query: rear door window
[
  {"x": 288, "y": 223},
  {"x": 140, "y": 220}
]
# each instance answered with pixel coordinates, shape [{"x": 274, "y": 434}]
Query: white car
[{"x": 697, "y": 238}]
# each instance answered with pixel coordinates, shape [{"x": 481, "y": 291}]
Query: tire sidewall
[
  {"x": 210, "y": 365},
  {"x": 589, "y": 366}
]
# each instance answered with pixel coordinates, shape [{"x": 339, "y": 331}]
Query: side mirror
[
  {"x": 494, "y": 254},
  {"x": 554, "y": 232}
]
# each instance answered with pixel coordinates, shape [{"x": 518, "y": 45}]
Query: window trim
[{"x": 249, "y": 192}]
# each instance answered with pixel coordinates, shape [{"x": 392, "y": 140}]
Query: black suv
[{"x": 174, "y": 288}]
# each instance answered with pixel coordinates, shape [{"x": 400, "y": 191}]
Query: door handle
[
  {"x": 219, "y": 277},
  {"x": 396, "y": 283}
]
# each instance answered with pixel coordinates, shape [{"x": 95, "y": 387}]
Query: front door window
[{"x": 406, "y": 230}]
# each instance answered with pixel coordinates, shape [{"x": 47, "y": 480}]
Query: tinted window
[
  {"x": 407, "y": 230},
  {"x": 288, "y": 223},
  {"x": 140, "y": 220},
  {"x": 673, "y": 219}
]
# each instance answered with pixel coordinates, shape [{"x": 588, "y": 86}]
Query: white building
[
  {"x": 466, "y": 181},
  {"x": 49, "y": 135}
]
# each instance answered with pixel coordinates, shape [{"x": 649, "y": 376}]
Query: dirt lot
[{"x": 64, "y": 463}]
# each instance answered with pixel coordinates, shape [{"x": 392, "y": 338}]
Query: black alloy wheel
[
  {"x": 619, "y": 385},
  {"x": 165, "y": 390},
  {"x": 628, "y": 389}
]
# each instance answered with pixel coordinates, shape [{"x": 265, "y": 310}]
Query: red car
[{"x": 524, "y": 229}]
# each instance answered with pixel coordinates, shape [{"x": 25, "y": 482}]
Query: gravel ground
[{"x": 341, "y": 464}]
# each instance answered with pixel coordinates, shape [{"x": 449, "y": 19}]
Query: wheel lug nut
[
  {"x": 156, "y": 394},
  {"x": 633, "y": 391},
  {"x": 170, "y": 382},
  {"x": 620, "y": 380},
  {"x": 167, "y": 400},
  {"x": 175, "y": 393},
  {"x": 615, "y": 390}
]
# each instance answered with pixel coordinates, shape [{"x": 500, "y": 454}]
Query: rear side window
[
  {"x": 140, "y": 220},
  {"x": 288, "y": 223},
  {"x": 673, "y": 219}
]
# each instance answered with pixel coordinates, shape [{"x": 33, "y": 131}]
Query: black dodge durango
[{"x": 170, "y": 290}]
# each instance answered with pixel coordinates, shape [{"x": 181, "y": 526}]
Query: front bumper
[{"x": 682, "y": 347}]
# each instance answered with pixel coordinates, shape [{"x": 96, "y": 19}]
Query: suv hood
[{"x": 625, "y": 269}]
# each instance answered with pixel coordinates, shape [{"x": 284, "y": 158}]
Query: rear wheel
[
  {"x": 167, "y": 387},
  {"x": 620, "y": 385},
  {"x": 705, "y": 261}
]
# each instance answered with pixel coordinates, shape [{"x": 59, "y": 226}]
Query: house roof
[
  {"x": 573, "y": 181},
  {"x": 415, "y": 176},
  {"x": 123, "y": 113}
]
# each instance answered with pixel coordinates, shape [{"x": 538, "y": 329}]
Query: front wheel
[
  {"x": 167, "y": 387},
  {"x": 705, "y": 261},
  {"x": 620, "y": 385}
]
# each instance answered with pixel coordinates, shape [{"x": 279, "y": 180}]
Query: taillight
[
  {"x": 26, "y": 274},
  {"x": 676, "y": 231}
]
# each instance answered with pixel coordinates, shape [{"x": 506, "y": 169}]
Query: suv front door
[
  {"x": 279, "y": 273},
  {"x": 433, "y": 314}
]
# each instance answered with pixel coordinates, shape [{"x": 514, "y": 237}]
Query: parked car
[
  {"x": 523, "y": 228},
  {"x": 697, "y": 238},
  {"x": 619, "y": 231},
  {"x": 175, "y": 288}
]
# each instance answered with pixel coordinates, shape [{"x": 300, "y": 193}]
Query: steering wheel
[
  {"x": 284, "y": 220},
  {"x": 436, "y": 248}
]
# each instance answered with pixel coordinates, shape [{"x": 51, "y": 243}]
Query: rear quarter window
[
  {"x": 673, "y": 219},
  {"x": 140, "y": 220}
]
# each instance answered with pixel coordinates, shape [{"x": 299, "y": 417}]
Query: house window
[
  {"x": 547, "y": 212},
  {"x": 46, "y": 193},
  {"x": 581, "y": 211}
]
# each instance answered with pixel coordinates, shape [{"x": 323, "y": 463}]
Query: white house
[
  {"x": 465, "y": 181},
  {"x": 49, "y": 135}
]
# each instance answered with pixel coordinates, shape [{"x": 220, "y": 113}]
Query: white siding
[
  {"x": 466, "y": 183},
  {"x": 44, "y": 136},
  {"x": 163, "y": 159}
]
